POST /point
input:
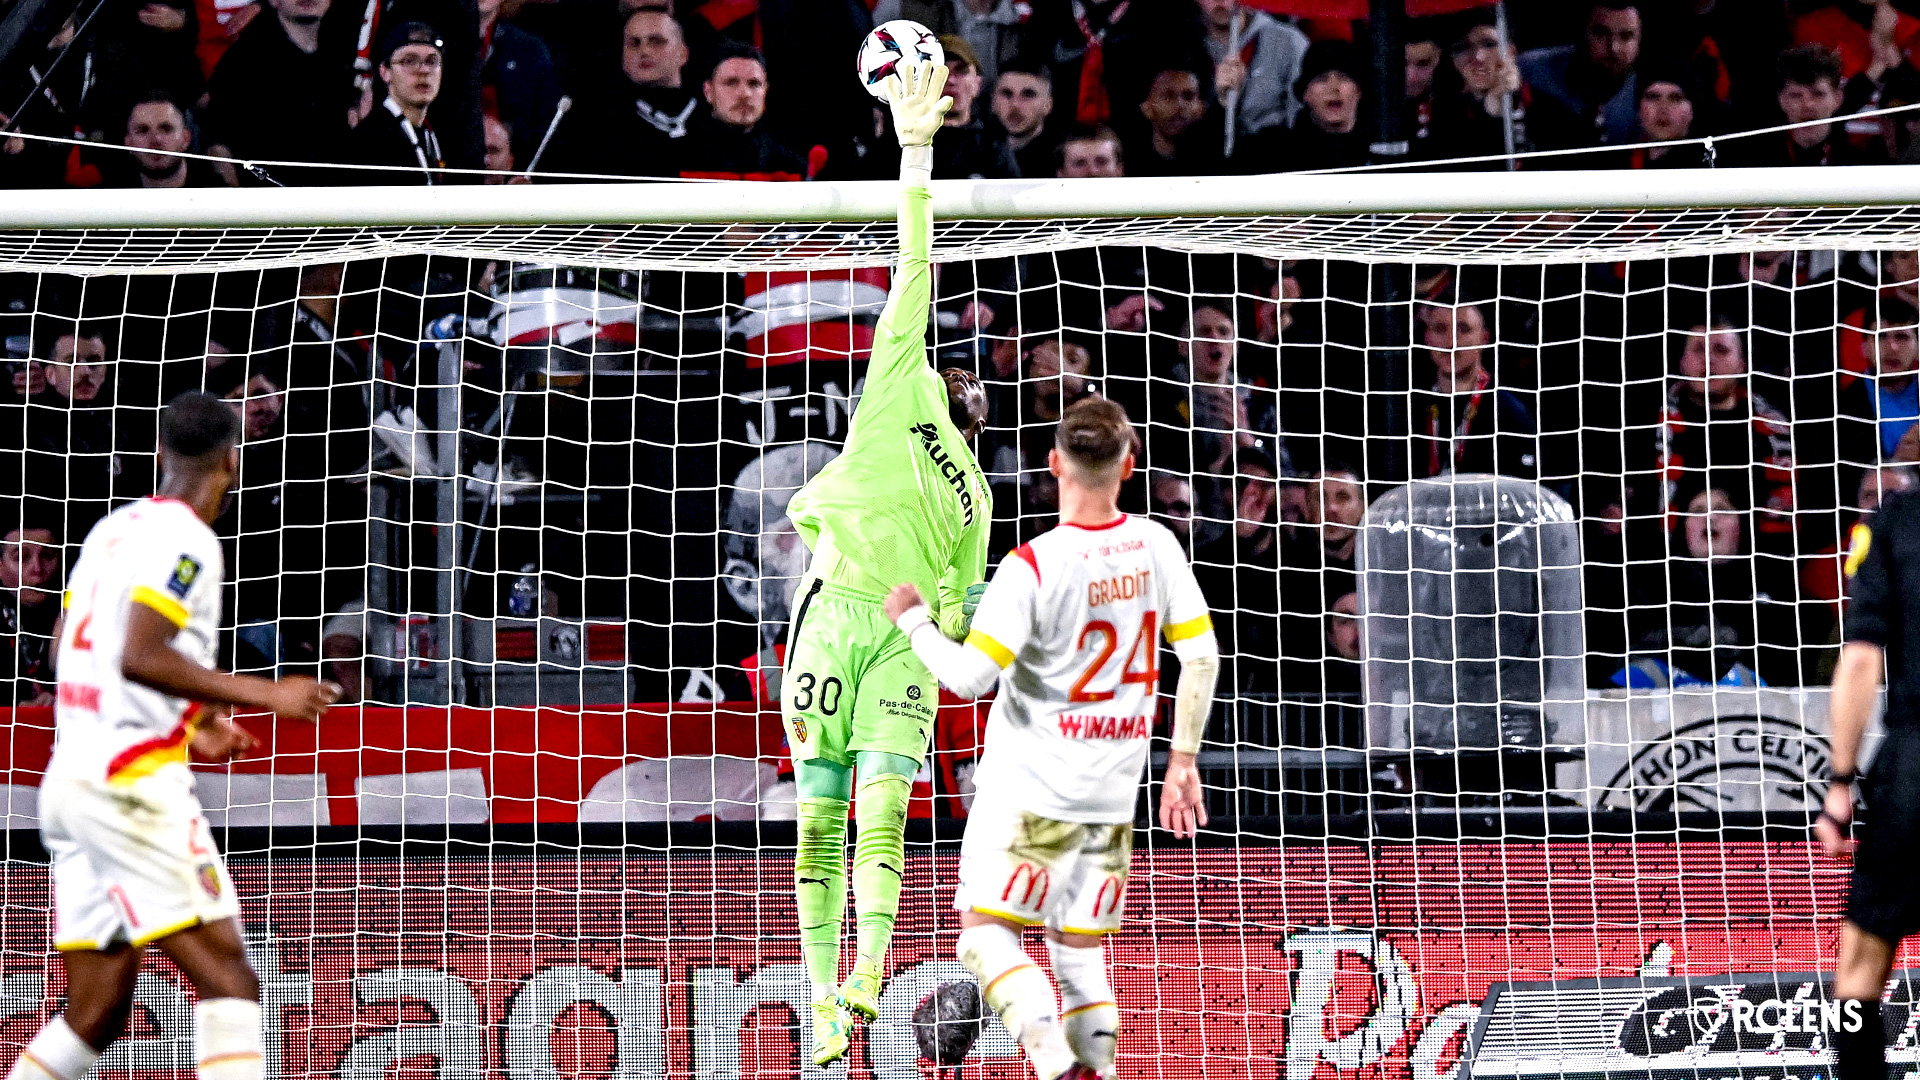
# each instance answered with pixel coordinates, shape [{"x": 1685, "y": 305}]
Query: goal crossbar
[
  {"x": 974, "y": 200},
  {"x": 1451, "y": 217}
]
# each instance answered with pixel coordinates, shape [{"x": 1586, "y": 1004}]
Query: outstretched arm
[
  {"x": 964, "y": 669},
  {"x": 899, "y": 347}
]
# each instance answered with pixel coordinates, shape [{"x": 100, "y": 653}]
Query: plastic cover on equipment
[{"x": 1470, "y": 588}]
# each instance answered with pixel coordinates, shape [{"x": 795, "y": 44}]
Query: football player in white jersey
[
  {"x": 1070, "y": 629},
  {"x": 134, "y": 862}
]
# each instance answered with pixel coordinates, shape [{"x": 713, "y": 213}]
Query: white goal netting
[{"x": 1523, "y": 534}]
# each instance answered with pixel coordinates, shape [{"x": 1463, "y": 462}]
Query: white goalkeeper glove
[{"x": 918, "y": 107}]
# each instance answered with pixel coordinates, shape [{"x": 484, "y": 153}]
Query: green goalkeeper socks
[
  {"x": 879, "y": 861},
  {"x": 820, "y": 887}
]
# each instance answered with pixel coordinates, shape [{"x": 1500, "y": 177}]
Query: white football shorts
[
  {"x": 132, "y": 863},
  {"x": 1020, "y": 866}
]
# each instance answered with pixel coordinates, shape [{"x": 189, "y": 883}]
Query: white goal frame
[{"x": 1374, "y": 217}]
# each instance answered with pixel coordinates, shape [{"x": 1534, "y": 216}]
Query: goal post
[{"x": 1521, "y": 501}]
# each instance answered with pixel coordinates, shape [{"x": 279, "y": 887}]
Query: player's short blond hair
[{"x": 1095, "y": 436}]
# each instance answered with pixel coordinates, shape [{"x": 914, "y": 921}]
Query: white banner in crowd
[{"x": 1702, "y": 749}]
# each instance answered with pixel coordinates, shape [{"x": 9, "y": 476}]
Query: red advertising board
[
  {"x": 1302, "y": 962},
  {"x": 534, "y": 764}
]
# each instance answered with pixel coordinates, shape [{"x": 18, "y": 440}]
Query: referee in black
[{"x": 1883, "y": 902}]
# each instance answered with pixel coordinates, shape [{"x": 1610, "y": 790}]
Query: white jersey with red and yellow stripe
[
  {"x": 1075, "y": 619},
  {"x": 156, "y": 553}
]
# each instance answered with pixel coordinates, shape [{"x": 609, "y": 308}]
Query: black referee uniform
[{"x": 1883, "y": 609}]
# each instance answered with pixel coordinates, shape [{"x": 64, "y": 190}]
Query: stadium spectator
[
  {"x": 1335, "y": 503},
  {"x": 1210, "y": 413},
  {"x": 1667, "y": 112},
  {"x": 77, "y": 369},
  {"x": 1185, "y": 133},
  {"x": 1867, "y": 37},
  {"x": 29, "y": 609},
  {"x": 1823, "y": 578},
  {"x": 1088, "y": 43},
  {"x": 1588, "y": 94},
  {"x": 259, "y": 401},
  {"x": 1022, "y": 103},
  {"x": 1893, "y": 275},
  {"x": 27, "y": 378},
  {"x": 156, "y": 122},
  {"x": 1424, "y": 51},
  {"x": 1090, "y": 151},
  {"x": 1474, "y": 95},
  {"x": 1466, "y": 424},
  {"x": 1014, "y": 455},
  {"x": 1343, "y": 667},
  {"x": 1718, "y": 433},
  {"x": 1256, "y": 61},
  {"x": 1171, "y": 498},
  {"x": 497, "y": 153},
  {"x": 283, "y": 486},
  {"x": 358, "y": 653},
  {"x": 1238, "y": 573},
  {"x": 139, "y": 48},
  {"x": 220, "y": 22},
  {"x": 730, "y": 142},
  {"x": 1058, "y": 373},
  {"x": 398, "y": 134},
  {"x": 1316, "y": 560},
  {"x": 1327, "y": 134},
  {"x": 1810, "y": 91},
  {"x": 1900, "y": 132},
  {"x": 1713, "y": 611},
  {"x": 1877, "y": 484},
  {"x": 517, "y": 78},
  {"x": 1728, "y": 47},
  {"x": 343, "y": 653},
  {"x": 1878, "y": 410},
  {"x": 995, "y": 30},
  {"x": 638, "y": 124},
  {"x": 964, "y": 148},
  {"x": 283, "y": 91},
  {"x": 72, "y": 439}
]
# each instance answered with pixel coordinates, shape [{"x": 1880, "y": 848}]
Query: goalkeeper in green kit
[{"x": 905, "y": 501}]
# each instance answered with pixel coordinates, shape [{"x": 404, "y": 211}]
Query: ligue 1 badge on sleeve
[{"x": 185, "y": 572}]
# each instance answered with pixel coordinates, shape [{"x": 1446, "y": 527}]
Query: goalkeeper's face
[{"x": 966, "y": 401}]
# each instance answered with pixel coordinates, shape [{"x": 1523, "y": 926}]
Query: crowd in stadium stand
[
  {"x": 762, "y": 88},
  {"x": 1717, "y": 423}
]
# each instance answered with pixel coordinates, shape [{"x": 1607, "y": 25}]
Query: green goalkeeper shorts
[{"x": 852, "y": 682}]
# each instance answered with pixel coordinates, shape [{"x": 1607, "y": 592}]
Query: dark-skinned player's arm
[{"x": 150, "y": 659}]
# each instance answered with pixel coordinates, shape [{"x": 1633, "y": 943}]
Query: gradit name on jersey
[{"x": 1111, "y": 590}]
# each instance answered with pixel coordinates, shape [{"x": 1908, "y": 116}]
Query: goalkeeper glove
[
  {"x": 970, "y": 605},
  {"x": 918, "y": 107}
]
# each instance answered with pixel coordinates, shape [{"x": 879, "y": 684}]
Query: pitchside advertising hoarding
[{"x": 1437, "y": 961}]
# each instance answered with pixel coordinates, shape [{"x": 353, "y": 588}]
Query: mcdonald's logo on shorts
[{"x": 1035, "y": 877}]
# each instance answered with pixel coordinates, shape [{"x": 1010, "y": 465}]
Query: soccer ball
[{"x": 891, "y": 43}]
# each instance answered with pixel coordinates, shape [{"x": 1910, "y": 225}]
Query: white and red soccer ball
[{"x": 891, "y": 44}]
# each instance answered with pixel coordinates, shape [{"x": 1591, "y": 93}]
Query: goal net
[{"x": 1522, "y": 505}]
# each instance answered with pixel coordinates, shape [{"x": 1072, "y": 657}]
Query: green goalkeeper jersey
[{"x": 905, "y": 500}]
